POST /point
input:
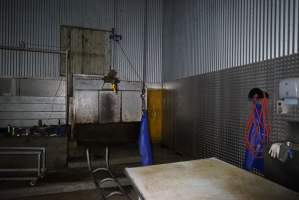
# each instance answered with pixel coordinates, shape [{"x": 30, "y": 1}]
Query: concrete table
[{"x": 203, "y": 179}]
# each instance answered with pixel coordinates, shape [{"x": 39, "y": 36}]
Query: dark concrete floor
[
  {"x": 80, "y": 195},
  {"x": 75, "y": 182}
]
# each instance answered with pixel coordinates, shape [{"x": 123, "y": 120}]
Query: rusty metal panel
[
  {"x": 131, "y": 106},
  {"x": 90, "y": 51},
  {"x": 97, "y": 46},
  {"x": 75, "y": 45},
  {"x": 109, "y": 106},
  {"x": 86, "y": 107}
]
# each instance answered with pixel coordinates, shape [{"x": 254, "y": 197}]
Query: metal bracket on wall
[{"x": 115, "y": 37}]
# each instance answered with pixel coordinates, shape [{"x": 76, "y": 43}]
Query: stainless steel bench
[{"x": 38, "y": 152}]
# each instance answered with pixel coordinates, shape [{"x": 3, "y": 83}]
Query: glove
[{"x": 274, "y": 150}]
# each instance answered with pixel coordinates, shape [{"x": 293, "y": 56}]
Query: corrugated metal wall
[
  {"x": 131, "y": 17},
  {"x": 155, "y": 19},
  {"x": 201, "y": 36},
  {"x": 36, "y": 23}
]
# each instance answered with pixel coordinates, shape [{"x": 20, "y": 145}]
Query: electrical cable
[
  {"x": 128, "y": 59},
  {"x": 60, "y": 81}
]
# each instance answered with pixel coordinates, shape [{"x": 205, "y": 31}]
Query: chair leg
[
  {"x": 107, "y": 158},
  {"x": 88, "y": 159}
]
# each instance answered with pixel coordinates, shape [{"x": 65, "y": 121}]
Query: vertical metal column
[
  {"x": 145, "y": 52},
  {"x": 67, "y": 91}
]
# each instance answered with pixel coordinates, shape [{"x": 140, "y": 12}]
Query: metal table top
[{"x": 204, "y": 179}]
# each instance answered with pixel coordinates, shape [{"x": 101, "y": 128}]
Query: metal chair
[{"x": 109, "y": 177}]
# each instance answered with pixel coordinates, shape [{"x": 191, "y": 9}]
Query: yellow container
[{"x": 154, "y": 107}]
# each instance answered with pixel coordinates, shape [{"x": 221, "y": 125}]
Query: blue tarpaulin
[
  {"x": 255, "y": 160},
  {"x": 145, "y": 148}
]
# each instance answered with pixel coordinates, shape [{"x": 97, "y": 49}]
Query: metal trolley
[{"x": 37, "y": 172}]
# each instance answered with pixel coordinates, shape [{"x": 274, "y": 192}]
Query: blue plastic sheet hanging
[{"x": 145, "y": 148}]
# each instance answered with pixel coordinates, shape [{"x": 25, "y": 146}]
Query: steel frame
[
  {"x": 39, "y": 152},
  {"x": 51, "y": 51}
]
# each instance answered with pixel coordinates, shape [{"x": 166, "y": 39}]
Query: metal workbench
[
  {"x": 37, "y": 172},
  {"x": 204, "y": 179}
]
